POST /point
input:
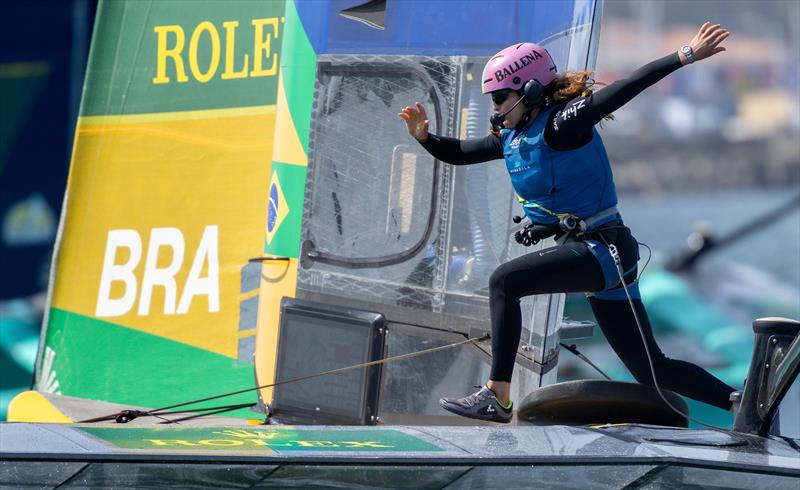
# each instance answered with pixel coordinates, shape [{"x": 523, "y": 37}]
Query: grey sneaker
[{"x": 481, "y": 405}]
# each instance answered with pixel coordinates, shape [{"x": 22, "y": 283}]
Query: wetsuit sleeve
[
  {"x": 464, "y": 152},
  {"x": 571, "y": 126}
]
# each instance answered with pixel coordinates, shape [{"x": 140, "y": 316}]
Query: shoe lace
[{"x": 475, "y": 398}]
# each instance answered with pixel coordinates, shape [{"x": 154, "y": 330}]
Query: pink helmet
[{"x": 515, "y": 65}]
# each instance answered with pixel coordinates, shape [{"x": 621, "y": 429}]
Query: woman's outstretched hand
[
  {"x": 706, "y": 42},
  {"x": 416, "y": 122}
]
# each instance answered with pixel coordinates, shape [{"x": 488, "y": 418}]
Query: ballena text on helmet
[{"x": 509, "y": 70}]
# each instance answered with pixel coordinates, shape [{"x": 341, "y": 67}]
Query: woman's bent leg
[
  {"x": 561, "y": 269},
  {"x": 619, "y": 326}
]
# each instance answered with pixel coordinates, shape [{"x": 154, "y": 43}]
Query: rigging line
[
  {"x": 129, "y": 415},
  {"x": 160, "y": 417},
  {"x": 294, "y": 380},
  {"x": 202, "y": 409},
  {"x": 104, "y": 417},
  {"x": 228, "y": 408},
  {"x": 574, "y": 350}
]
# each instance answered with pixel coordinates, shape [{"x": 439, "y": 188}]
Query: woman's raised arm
[
  {"x": 449, "y": 150},
  {"x": 575, "y": 121}
]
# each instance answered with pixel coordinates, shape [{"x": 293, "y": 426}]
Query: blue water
[{"x": 664, "y": 221}]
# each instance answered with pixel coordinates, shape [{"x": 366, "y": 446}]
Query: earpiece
[{"x": 532, "y": 94}]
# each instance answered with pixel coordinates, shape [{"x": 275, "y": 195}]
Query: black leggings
[{"x": 569, "y": 268}]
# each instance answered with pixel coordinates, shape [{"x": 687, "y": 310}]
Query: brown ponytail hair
[{"x": 570, "y": 85}]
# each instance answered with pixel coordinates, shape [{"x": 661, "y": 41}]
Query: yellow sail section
[{"x": 171, "y": 261}]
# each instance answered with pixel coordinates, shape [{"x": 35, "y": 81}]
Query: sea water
[{"x": 664, "y": 222}]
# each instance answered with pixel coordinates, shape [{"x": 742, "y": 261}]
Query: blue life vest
[{"x": 551, "y": 183}]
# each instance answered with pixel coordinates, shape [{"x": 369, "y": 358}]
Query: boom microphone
[{"x": 497, "y": 119}]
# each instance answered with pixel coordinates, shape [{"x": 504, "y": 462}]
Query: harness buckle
[{"x": 569, "y": 223}]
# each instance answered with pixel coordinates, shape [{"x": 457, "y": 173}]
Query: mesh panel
[
  {"x": 372, "y": 193},
  {"x": 368, "y": 196}
]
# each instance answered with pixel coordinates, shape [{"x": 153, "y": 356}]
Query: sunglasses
[{"x": 500, "y": 96}]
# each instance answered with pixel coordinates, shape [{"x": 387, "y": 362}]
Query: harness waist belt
[{"x": 603, "y": 216}]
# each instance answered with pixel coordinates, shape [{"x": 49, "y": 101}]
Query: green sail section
[
  {"x": 93, "y": 359},
  {"x": 179, "y": 55},
  {"x": 298, "y": 69}
]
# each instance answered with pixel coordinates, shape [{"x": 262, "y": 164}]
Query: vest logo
[
  {"x": 164, "y": 242},
  {"x": 519, "y": 169},
  {"x": 278, "y": 208},
  {"x": 517, "y": 141},
  {"x": 171, "y": 41}
]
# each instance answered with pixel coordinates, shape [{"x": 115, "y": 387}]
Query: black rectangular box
[{"x": 314, "y": 338}]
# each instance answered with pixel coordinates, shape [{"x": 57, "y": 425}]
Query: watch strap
[{"x": 687, "y": 51}]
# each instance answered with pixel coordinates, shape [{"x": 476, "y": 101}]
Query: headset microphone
[{"x": 497, "y": 119}]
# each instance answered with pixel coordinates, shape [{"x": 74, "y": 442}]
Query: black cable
[
  {"x": 574, "y": 350},
  {"x": 649, "y": 256}
]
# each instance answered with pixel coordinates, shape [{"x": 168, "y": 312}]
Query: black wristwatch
[{"x": 687, "y": 51}]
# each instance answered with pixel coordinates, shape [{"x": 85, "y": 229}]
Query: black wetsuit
[{"x": 572, "y": 267}]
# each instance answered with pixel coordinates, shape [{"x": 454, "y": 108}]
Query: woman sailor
[{"x": 560, "y": 171}]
